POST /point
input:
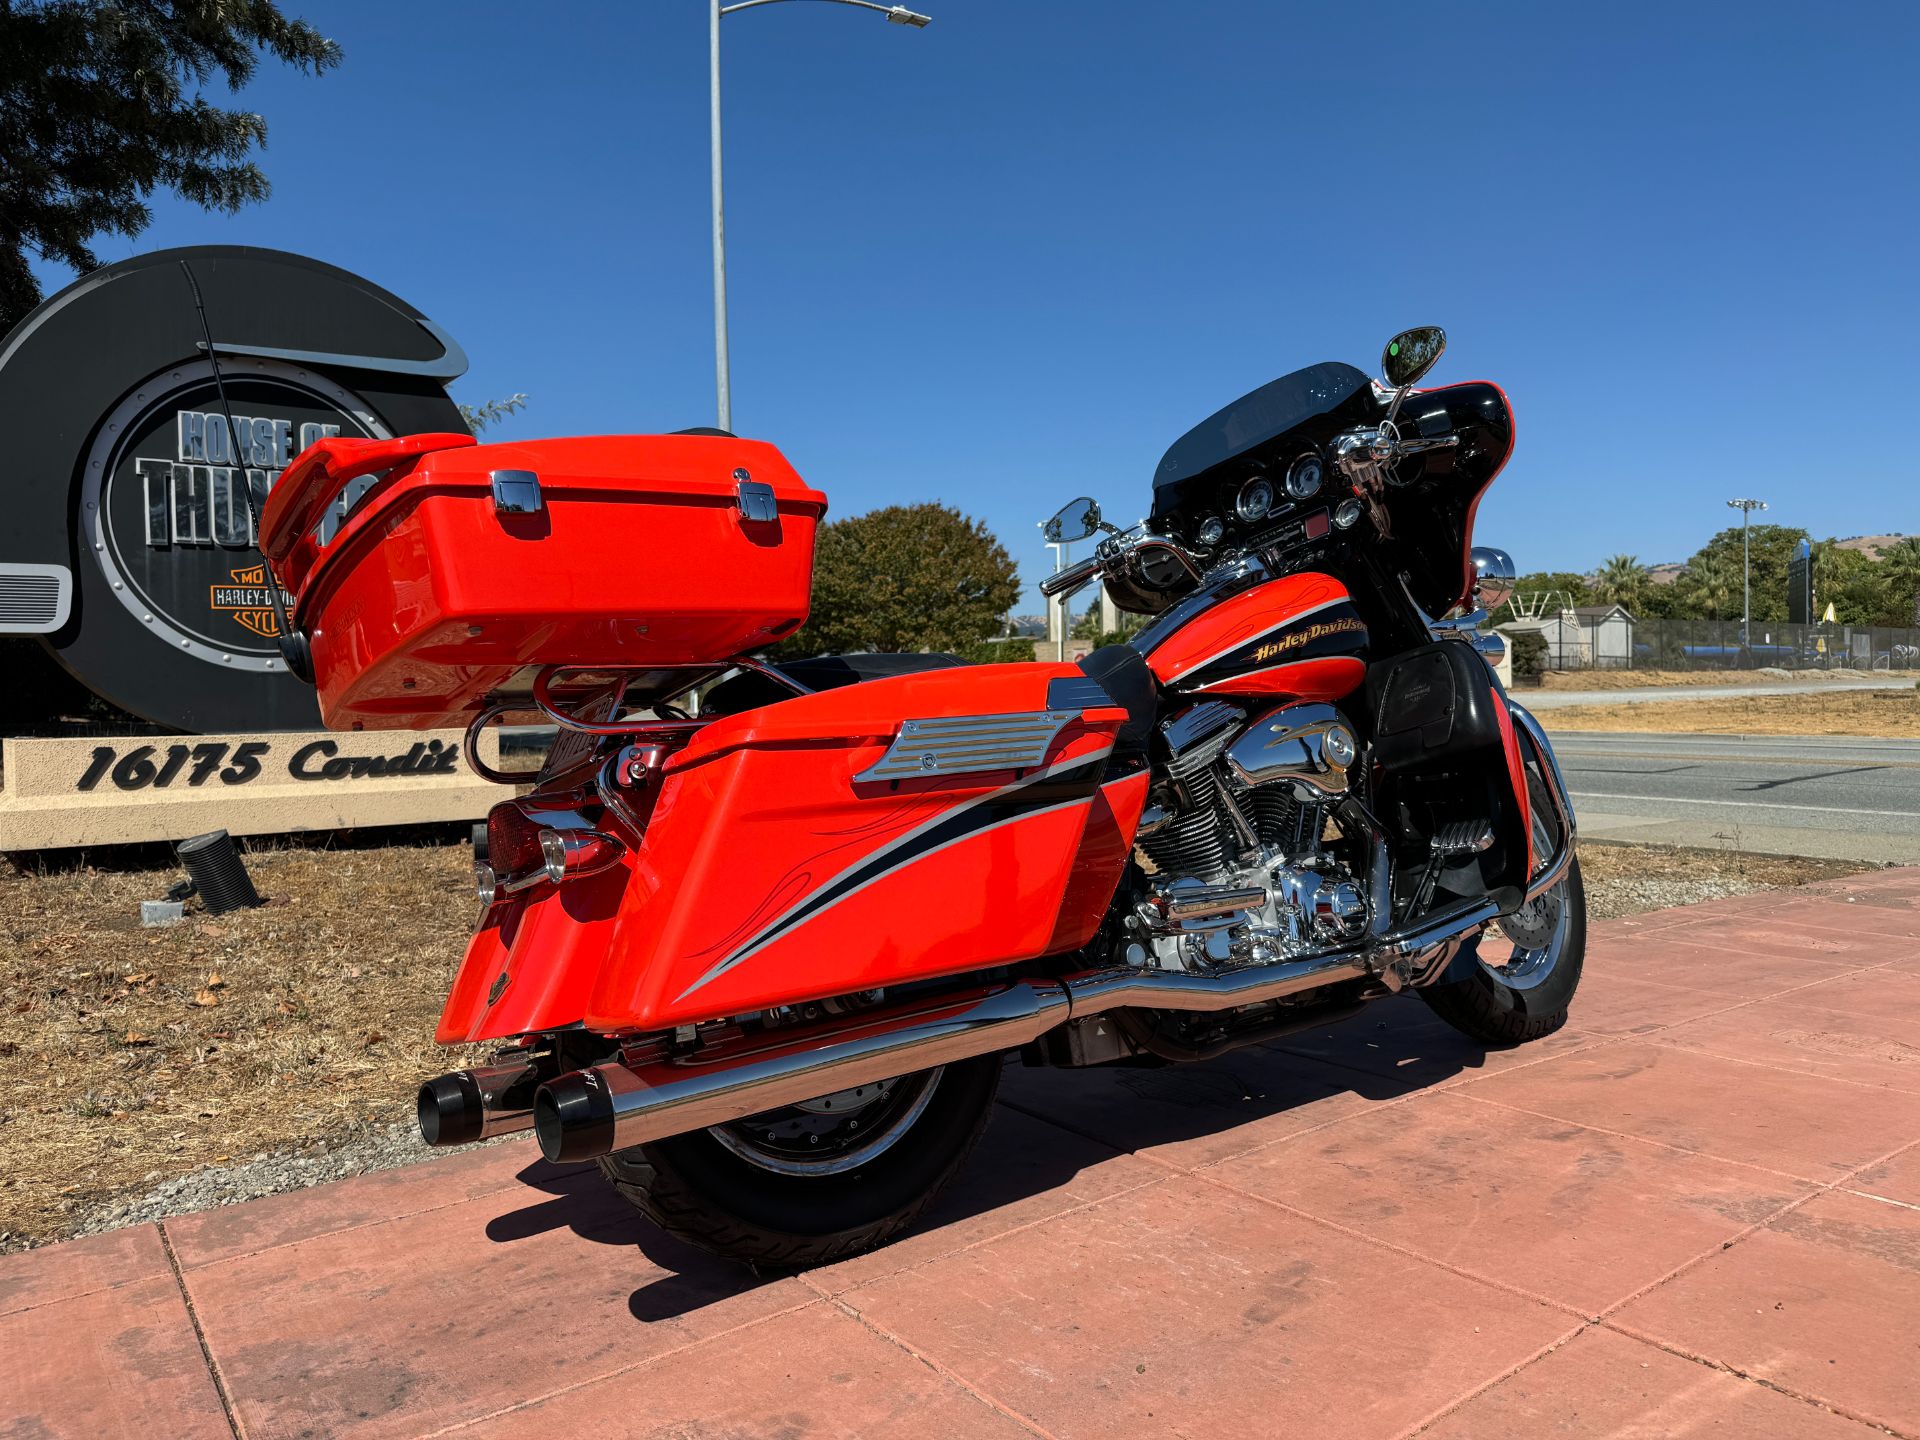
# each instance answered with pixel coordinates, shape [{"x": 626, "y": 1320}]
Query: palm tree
[
  {"x": 1622, "y": 581},
  {"x": 1900, "y": 565}
]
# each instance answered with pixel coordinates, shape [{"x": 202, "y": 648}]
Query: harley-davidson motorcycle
[{"x": 761, "y": 935}]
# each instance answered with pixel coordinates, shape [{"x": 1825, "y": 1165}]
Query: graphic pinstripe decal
[
  {"x": 1004, "y": 806},
  {"x": 1180, "y": 676}
]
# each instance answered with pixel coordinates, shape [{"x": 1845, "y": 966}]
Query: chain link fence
[{"x": 1619, "y": 644}]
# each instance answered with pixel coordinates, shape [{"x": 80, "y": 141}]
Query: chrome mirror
[
  {"x": 1493, "y": 576},
  {"x": 1077, "y": 520},
  {"x": 1411, "y": 354}
]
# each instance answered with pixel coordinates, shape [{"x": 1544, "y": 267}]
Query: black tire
[
  {"x": 1484, "y": 1007},
  {"x": 698, "y": 1190}
]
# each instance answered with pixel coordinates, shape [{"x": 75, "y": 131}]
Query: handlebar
[{"x": 1071, "y": 578}]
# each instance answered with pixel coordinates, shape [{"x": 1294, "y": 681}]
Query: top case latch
[
  {"x": 754, "y": 498},
  {"x": 515, "y": 492}
]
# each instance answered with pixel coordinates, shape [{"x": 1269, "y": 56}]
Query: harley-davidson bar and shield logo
[{"x": 251, "y": 604}]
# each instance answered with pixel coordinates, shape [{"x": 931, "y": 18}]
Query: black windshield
[{"x": 1256, "y": 418}]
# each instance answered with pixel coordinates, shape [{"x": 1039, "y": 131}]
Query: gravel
[
  {"x": 1613, "y": 898},
  {"x": 381, "y": 1147}
]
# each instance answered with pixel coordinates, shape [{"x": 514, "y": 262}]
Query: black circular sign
[{"x": 130, "y": 482}]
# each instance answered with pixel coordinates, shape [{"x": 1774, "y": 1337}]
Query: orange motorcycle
[{"x": 760, "y": 935}]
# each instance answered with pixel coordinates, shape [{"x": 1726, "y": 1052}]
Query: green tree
[
  {"x": 906, "y": 577},
  {"x": 1900, "y": 572},
  {"x": 1773, "y": 547},
  {"x": 100, "y": 106},
  {"x": 1622, "y": 581},
  {"x": 479, "y": 417}
]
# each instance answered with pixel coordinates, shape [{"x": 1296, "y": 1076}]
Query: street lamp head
[
  {"x": 1748, "y": 506},
  {"x": 900, "y": 15}
]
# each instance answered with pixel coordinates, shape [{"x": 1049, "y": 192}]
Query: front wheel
[
  {"x": 1542, "y": 946},
  {"x": 817, "y": 1181}
]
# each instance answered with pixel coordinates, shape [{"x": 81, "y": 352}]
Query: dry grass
[
  {"x": 1894, "y": 714},
  {"x": 128, "y": 1056},
  {"x": 1663, "y": 679}
]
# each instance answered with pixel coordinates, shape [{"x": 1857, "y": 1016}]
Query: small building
[
  {"x": 1608, "y": 635},
  {"x": 1585, "y": 637}
]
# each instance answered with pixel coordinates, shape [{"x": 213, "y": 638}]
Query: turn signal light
[{"x": 569, "y": 854}]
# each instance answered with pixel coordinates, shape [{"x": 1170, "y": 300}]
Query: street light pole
[
  {"x": 722, "y": 376},
  {"x": 722, "y": 371},
  {"x": 1746, "y": 509}
]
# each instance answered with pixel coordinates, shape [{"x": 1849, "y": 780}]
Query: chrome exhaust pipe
[
  {"x": 477, "y": 1104},
  {"x": 1098, "y": 990},
  {"x": 588, "y": 1113}
]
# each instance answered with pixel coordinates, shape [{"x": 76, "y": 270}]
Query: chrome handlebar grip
[{"x": 1071, "y": 578}]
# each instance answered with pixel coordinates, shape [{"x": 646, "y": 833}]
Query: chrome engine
[{"x": 1236, "y": 841}]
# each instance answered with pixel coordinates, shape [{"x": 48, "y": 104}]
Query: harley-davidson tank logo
[
  {"x": 1307, "y": 634},
  {"x": 249, "y": 601}
]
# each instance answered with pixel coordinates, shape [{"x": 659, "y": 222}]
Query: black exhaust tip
[
  {"x": 450, "y": 1109},
  {"x": 573, "y": 1118}
]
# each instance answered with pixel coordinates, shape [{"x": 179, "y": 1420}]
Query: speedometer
[
  {"x": 1303, "y": 480},
  {"x": 1255, "y": 499}
]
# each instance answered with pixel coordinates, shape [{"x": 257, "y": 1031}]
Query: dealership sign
[
  {"x": 96, "y": 791},
  {"x": 130, "y": 548}
]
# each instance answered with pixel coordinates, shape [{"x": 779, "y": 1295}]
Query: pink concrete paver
[
  {"x": 1576, "y": 1215},
  {"x": 812, "y": 1374},
  {"x": 1605, "y": 1383},
  {"x": 80, "y": 1267},
  {"x": 118, "y": 1362},
  {"x": 1371, "y": 1229},
  {"x": 1205, "y": 1312},
  {"x": 236, "y": 1230},
  {"x": 1794, "y": 1032},
  {"x": 1802, "y": 1125},
  {"x": 449, "y": 1314},
  {"x": 1824, "y": 1302}
]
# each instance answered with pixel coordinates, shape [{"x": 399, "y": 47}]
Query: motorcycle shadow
[{"x": 1052, "y": 1128}]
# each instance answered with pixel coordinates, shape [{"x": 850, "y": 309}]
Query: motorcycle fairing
[
  {"x": 771, "y": 873},
  {"x": 1295, "y": 635}
]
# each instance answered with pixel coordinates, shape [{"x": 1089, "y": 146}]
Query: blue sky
[{"x": 1007, "y": 259}]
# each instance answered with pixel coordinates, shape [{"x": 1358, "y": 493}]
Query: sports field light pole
[
  {"x": 897, "y": 15},
  {"x": 1746, "y": 509}
]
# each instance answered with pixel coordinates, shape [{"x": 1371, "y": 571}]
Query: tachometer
[
  {"x": 1255, "y": 499},
  {"x": 1305, "y": 477}
]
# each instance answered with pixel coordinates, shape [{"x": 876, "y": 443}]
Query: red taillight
[{"x": 513, "y": 841}]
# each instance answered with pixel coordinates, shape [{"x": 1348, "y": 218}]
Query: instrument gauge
[
  {"x": 1304, "y": 479},
  {"x": 1212, "y": 531},
  {"x": 1254, "y": 500}
]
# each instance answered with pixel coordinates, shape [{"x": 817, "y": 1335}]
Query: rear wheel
[
  {"x": 818, "y": 1181},
  {"x": 1525, "y": 996}
]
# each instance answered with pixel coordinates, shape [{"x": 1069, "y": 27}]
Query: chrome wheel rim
[
  {"x": 1537, "y": 933},
  {"x": 832, "y": 1134}
]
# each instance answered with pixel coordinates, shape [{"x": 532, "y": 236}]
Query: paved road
[
  {"x": 1847, "y": 799},
  {"x": 1553, "y": 699}
]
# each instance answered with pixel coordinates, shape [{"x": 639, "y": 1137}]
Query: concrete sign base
[{"x": 108, "y": 790}]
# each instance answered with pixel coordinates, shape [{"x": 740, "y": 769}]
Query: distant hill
[
  {"x": 1668, "y": 571},
  {"x": 1868, "y": 545}
]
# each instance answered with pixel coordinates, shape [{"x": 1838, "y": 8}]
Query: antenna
[{"x": 293, "y": 649}]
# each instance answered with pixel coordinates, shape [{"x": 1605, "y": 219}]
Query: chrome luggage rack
[{"x": 670, "y": 731}]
